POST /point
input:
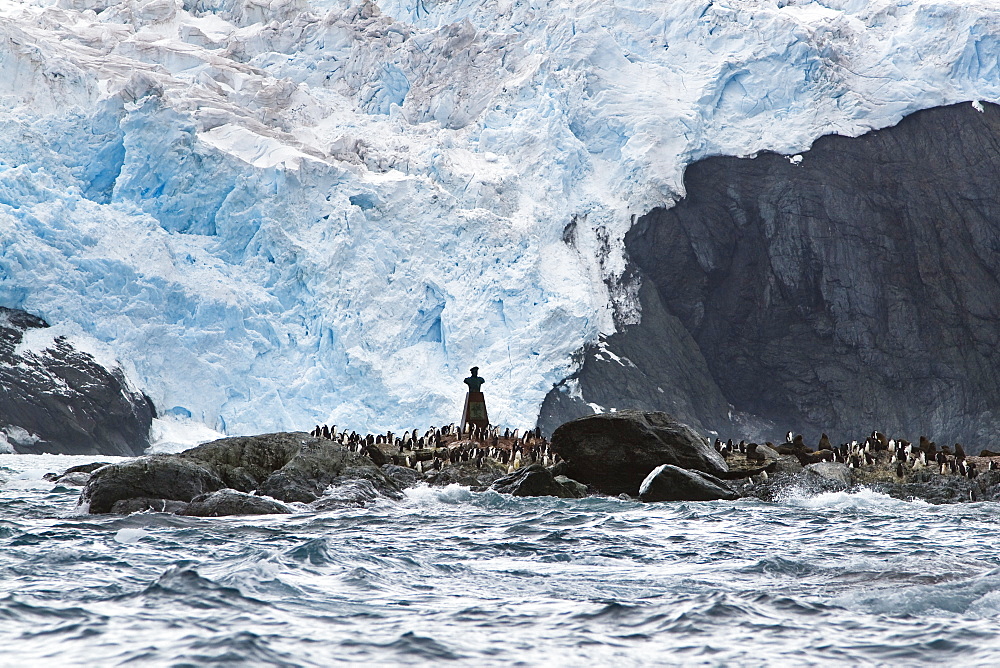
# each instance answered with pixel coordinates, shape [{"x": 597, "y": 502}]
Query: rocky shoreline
[{"x": 648, "y": 455}]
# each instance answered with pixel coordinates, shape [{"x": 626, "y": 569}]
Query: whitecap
[
  {"x": 860, "y": 499},
  {"x": 451, "y": 494},
  {"x": 130, "y": 536}
]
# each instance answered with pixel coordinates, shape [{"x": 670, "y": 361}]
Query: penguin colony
[
  {"x": 904, "y": 456},
  {"x": 451, "y": 444}
]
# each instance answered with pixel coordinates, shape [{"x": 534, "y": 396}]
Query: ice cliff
[{"x": 283, "y": 212}]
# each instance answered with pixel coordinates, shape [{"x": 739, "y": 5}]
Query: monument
[{"x": 475, "y": 403}]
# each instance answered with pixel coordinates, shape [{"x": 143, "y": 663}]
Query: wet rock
[
  {"x": 535, "y": 480},
  {"x": 672, "y": 483},
  {"x": 788, "y": 464},
  {"x": 577, "y": 489},
  {"x": 86, "y": 468},
  {"x": 142, "y": 504},
  {"x": 75, "y": 475},
  {"x": 289, "y": 466},
  {"x": 833, "y": 471},
  {"x": 932, "y": 487},
  {"x": 232, "y": 502},
  {"x": 166, "y": 477},
  {"x": 373, "y": 453},
  {"x": 559, "y": 468},
  {"x": 403, "y": 476},
  {"x": 346, "y": 494},
  {"x": 76, "y": 479},
  {"x": 768, "y": 454},
  {"x": 783, "y": 485},
  {"x": 245, "y": 462},
  {"x": 467, "y": 474},
  {"x": 58, "y": 399},
  {"x": 286, "y": 466},
  {"x": 614, "y": 452}
]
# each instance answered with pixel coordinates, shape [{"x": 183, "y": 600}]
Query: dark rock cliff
[
  {"x": 856, "y": 288},
  {"x": 60, "y": 400}
]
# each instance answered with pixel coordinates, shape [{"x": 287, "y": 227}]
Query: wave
[{"x": 860, "y": 499}]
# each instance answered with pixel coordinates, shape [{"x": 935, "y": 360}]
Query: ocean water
[{"x": 448, "y": 576}]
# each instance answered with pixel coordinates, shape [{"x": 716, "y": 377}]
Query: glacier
[{"x": 275, "y": 213}]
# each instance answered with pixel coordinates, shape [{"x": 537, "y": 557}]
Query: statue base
[{"x": 475, "y": 411}]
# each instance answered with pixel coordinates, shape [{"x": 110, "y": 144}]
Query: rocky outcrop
[
  {"x": 290, "y": 467},
  {"x": 671, "y": 483},
  {"x": 536, "y": 480},
  {"x": 468, "y": 474},
  {"x": 833, "y": 471},
  {"x": 856, "y": 285},
  {"x": 231, "y": 502},
  {"x": 58, "y": 399},
  {"x": 615, "y": 452},
  {"x": 159, "y": 477}
]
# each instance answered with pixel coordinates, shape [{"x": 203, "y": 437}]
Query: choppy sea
[{"x": 450, "y": 576}]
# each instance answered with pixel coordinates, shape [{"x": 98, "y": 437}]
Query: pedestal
[{"x": 475, "y": 410}]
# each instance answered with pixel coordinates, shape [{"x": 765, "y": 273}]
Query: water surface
[{"x": 451, "y": 576}]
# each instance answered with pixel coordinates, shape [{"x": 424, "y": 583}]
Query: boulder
[
  {"x": 788, "y": 464},
  {"x": 767, "y": 453},
  {"x": 535, "y": 480},
  {"x": 233, "y": 502},
  {"x": 289, "y": 466},
  {"x": 73, "y": 473},
  {"x": 286, "y": 466},
  {"x": 143, "y": 504},
  {"x": 614, "y": 452},
  {"x": 467, "y": 474},
  {"x": 672, "y": 483},
  {"x": 403, "y": 476},
  {"x": 75, "y": 479},
  {"x": 85, "y": 468},
  {"x": 577, "y": 489},
  {"x": 161, "y": 477},
  {"x": 346, "y": 493},
  {"x": 833, "y": 471}
]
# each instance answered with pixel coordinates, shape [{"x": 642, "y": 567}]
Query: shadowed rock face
[
  {"x": 60, "y": 400},
  {"x": 856, "y": 289},
  {"x": 615, "y": 452}
]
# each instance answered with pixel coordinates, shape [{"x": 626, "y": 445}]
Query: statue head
[{"x": 474, "y": 371}]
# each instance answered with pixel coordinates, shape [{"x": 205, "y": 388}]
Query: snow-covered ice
[{"x": 275, "y": 213}]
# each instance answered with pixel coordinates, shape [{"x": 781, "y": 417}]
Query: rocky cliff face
[
  {"x": 856, "y": 286},
  {"x": 55, "y": 398}
]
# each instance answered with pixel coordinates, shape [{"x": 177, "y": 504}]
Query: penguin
[
  {"x": 326, "y": 432},
  {"x": 788, "y": 437},
  {"x": 992, "y": 466},
  {"x": 899, "y": 470}
]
